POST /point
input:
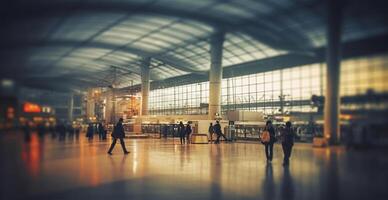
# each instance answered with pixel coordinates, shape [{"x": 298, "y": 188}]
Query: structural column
[
  {"x": 333, "y": 61},
  {"x": 215, "y": 75},
  {"x": 71, "y": 107},
  {"x": 145, "y": 85},
  {"x": 109, "y": 107}
]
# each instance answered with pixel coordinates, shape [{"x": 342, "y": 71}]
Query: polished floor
[{"x": 49, "y": 168}]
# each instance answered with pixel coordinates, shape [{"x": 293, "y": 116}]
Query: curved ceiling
[{"x": 78, "y": 41}]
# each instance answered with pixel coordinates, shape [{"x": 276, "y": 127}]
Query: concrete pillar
[
  {"x": 215, "y": 75},
  {"x": 108, "y": 107},
  {"x": 71, "y": 107},
  {"x": 90, "y": 105},
  {"x": 333, "y": 61},
  {"x": 145, "y": 85}
]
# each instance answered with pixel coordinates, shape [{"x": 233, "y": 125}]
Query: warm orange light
[{"x": 31, "y": 108}]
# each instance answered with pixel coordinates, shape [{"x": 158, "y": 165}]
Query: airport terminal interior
[{"x": 195, "y": 94}]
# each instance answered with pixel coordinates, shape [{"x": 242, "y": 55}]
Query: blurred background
[{"x": 75, "y": 62}]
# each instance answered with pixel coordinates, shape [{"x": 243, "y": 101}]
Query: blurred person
[
  {"x": 51, "y": 128},
  {"x": 61, "y": 128},
  {"x": 268, "y": 139},
  {"x": 118, "y": 133},
  {"x": 218, "y": 131},
  {"x": 287, "y": 137},
  {"x": 90, "y": 132},
  {"x": 181, "y": 130},
  {"x": 101, "y": 131},
  {"x": 77, "y": 130},
  {"x": 70, "y": 130},
  {"x": 41, "y": 130},
  {"x": 188, "y": 131},
  {"x": 27, "y": 131},
  {"x": 211, "y": 131}
]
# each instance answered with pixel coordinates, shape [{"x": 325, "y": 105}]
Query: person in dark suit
[
  {"x": 118, "y": 133},
  {"x": 269, "y": 145},
  {"x": 287, "y": 142},
  {"x": 90, "y": 132},
  {"x": 218, "y": 131},
  {"x": 188, "y": 131},
  {"x": 182, "y": 132},
  {"x": 101, "y": 131}
]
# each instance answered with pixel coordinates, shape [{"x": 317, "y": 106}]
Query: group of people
[
  {"x": 62, "y": 129},
  {"x": 218, "y": 131},
  {"x": 100, "y": 129},
  {"x": 185, "y": 132},
  {"x": 287, "y": 139}
]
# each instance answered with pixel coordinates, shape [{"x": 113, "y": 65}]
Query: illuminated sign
[{"x": 31, "y": 108}]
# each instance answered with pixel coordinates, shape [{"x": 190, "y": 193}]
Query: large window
[
  {"x": 274, "y": 92},
  {"x": 180, "y": 100}
]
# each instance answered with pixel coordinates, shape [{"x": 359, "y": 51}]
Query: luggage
[{"x": 265, "y": 137}]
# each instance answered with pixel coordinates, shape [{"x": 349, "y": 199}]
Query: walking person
[
  {"x": 181, "y": 130},
  {"x": 218, "y": 131},
  {"x": 268, "y": 139},
  {"x": 118, "y": 133},
  {"x": 211, "y": 131},
  {"x": 287, "y": 137},
  {"x": 188, "y": 131}
]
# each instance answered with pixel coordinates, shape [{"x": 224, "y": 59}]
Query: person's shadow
[
  {"x": 287, "y": 185},
  {"x": 268, "y": 185}
]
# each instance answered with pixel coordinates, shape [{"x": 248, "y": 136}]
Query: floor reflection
[{"x": 49, "y": 168}]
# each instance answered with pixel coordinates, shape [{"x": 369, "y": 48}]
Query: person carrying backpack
[
  {"x": 287, "y": 137},
  {"x": 268, "y": 139}
]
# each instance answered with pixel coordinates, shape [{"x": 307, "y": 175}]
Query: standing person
[
  {"x": 211, "y": 131},
  {"x": 188, "y": 131},
  {"x": 269, "y": 144},
  {"x": 90, "y": 132},
  {"x": 287, "y": 142},
  {"x": 181, "y": 130},
  {"x": 101, "y": 131},
  {"x": 218, "y": 131},
  {"x": 118, "y": 133},
  {"x": 61, "y": 130},
  {"x": 27, "y": 131},
  {"x": 77, "y": 129}
]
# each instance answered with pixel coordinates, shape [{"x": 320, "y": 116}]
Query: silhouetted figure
[
  {"x": 41, "y": 130},
  {"x": 90, "y": 132},
  {"x": 70, "y": 130},
  {"x": 269, "y": 145},
  {"x": 118, "y": 133},
  {"x": 101, "y": 131},
  {"x": 182, "y": 132},
  {"x": 188, "y": 131},
  {"x": 211, "y": 131},
  {"x": 218, "y": 131},
  {"x": 165, "y": 130},
  {"x": 61, "y": 128},
  {"x": 52, "y": 131},
  {"x": 77, "y": 130},
  {"x": 287, "y": 142},
  {"x": 27, "y": 132}
]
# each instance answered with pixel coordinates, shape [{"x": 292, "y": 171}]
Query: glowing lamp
[{"x": 31, "y": 108}]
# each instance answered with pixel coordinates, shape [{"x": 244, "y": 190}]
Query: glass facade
[
  {"x": 275, "y": 92},
  {"x": 189, "y": 99}
]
